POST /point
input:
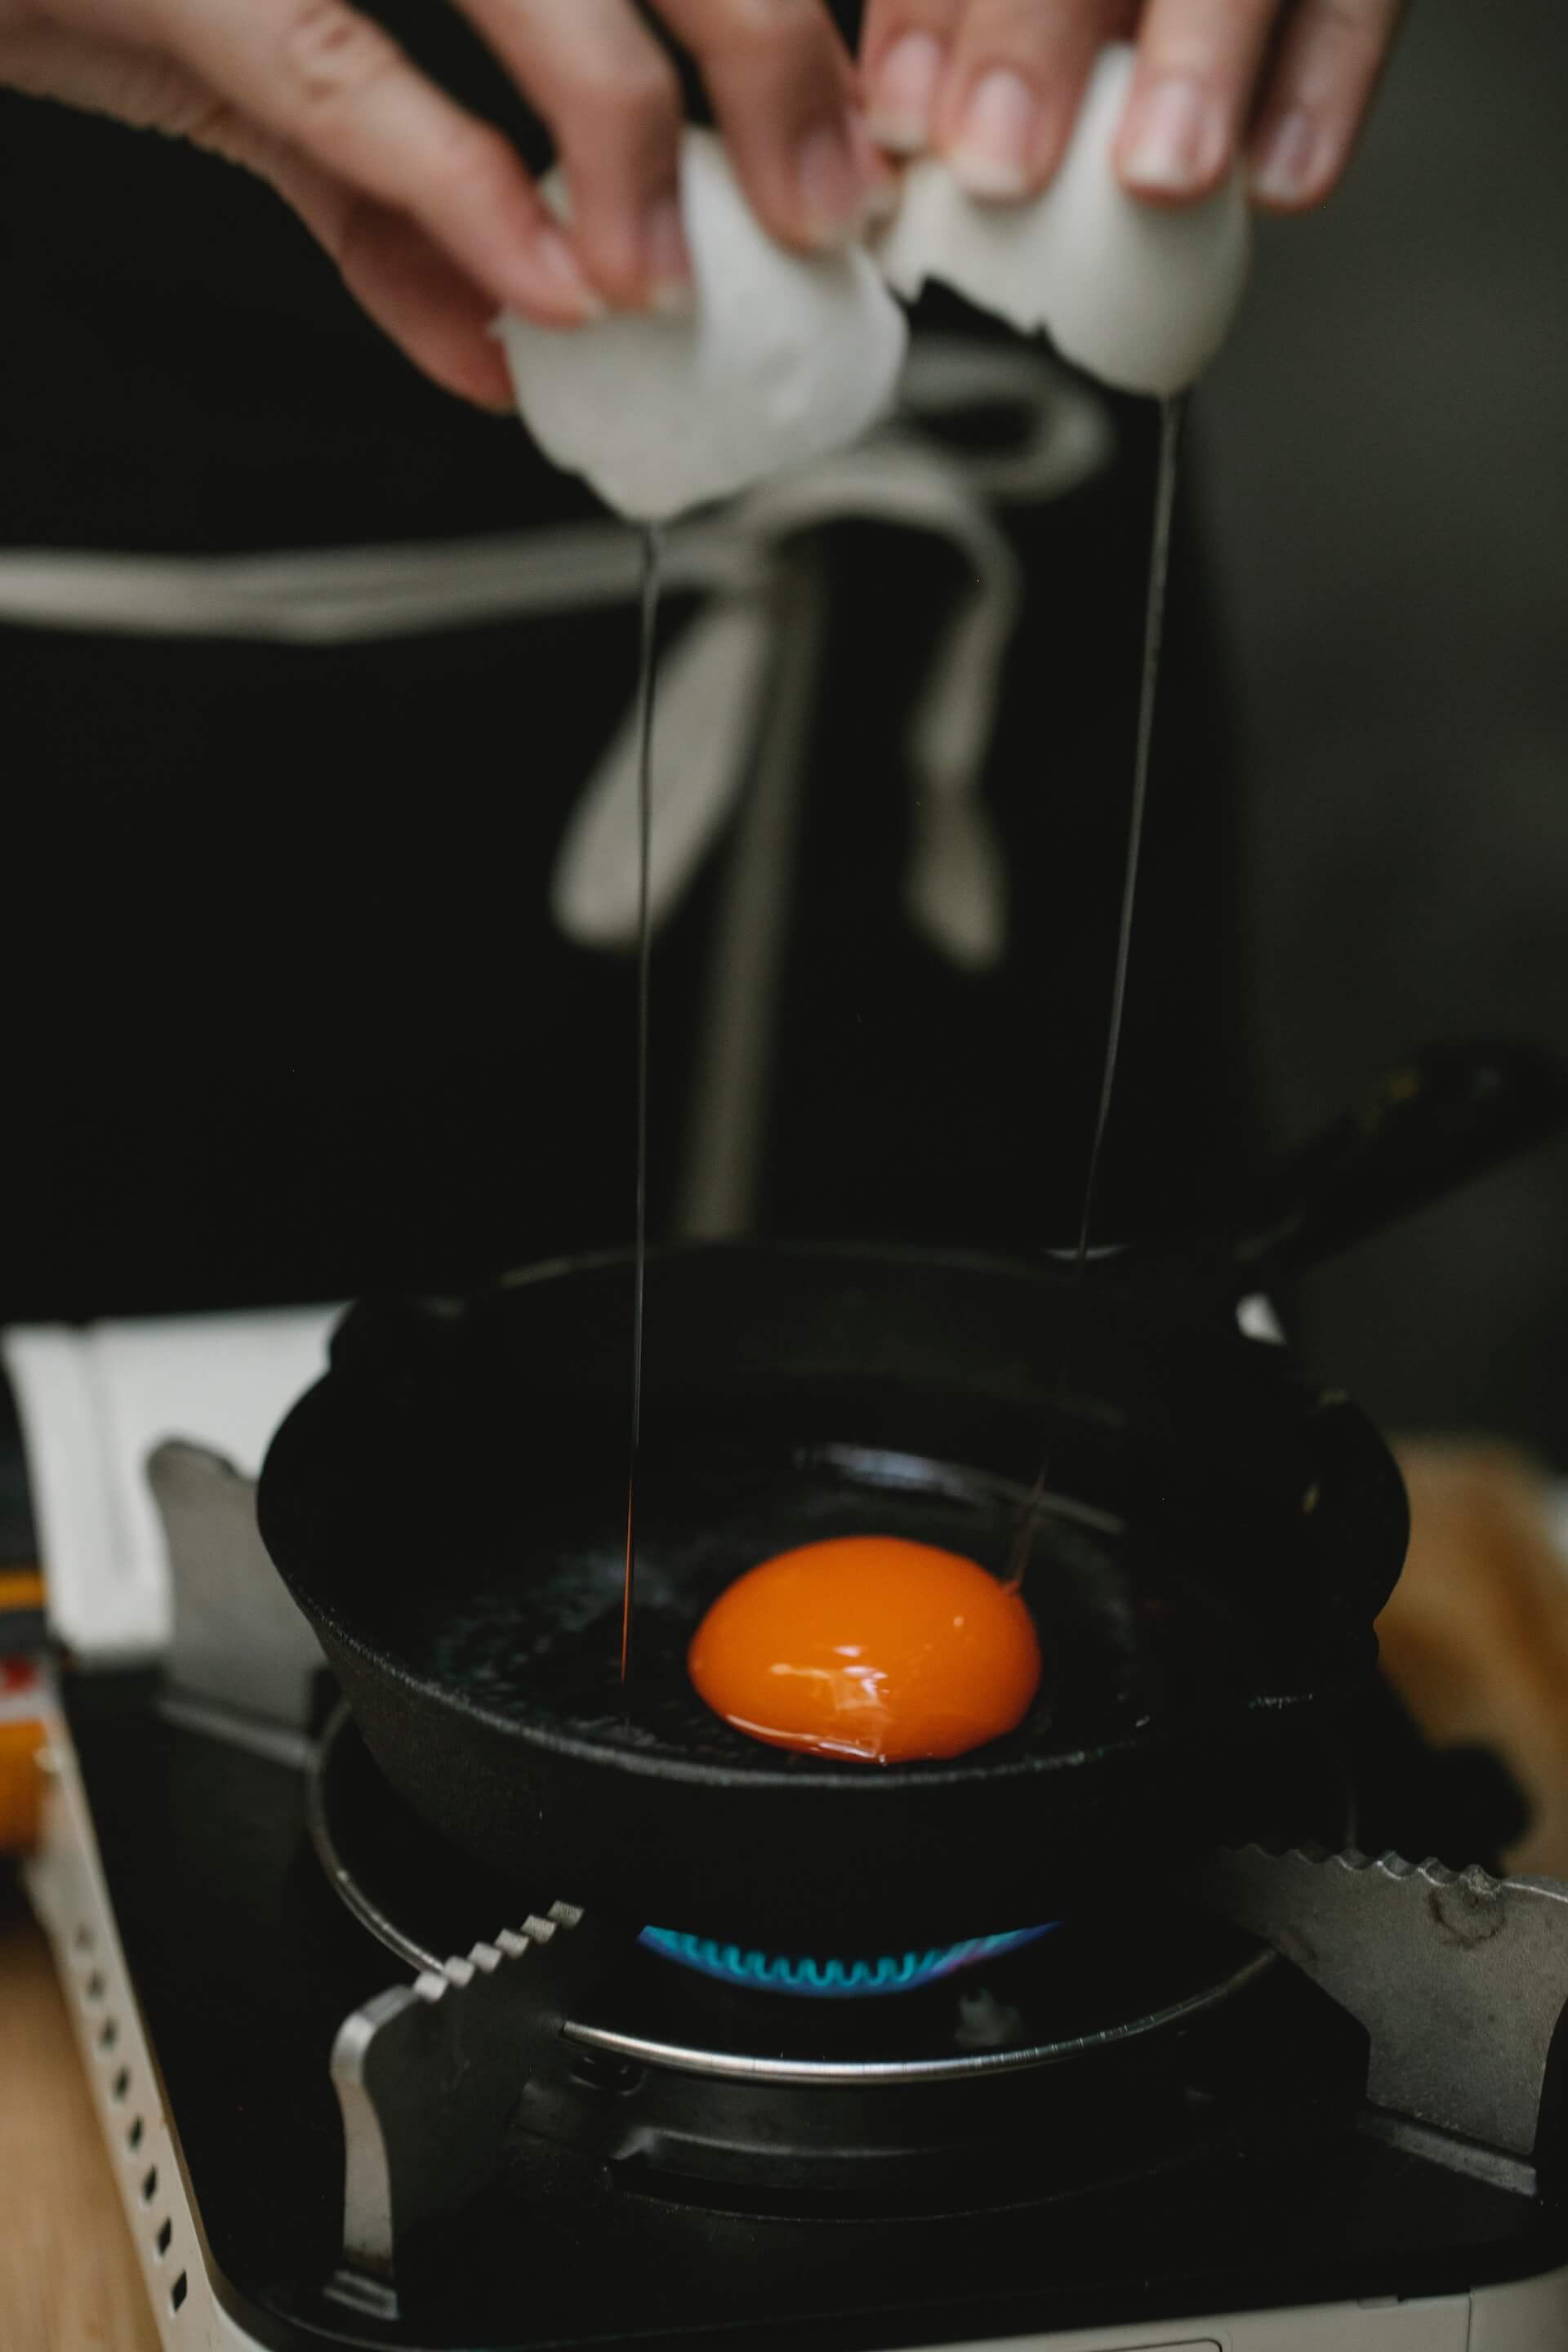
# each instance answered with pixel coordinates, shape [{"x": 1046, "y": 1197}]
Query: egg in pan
[{"x": 868, "y": 1647}]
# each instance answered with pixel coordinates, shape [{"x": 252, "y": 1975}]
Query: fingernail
[
  {"x": 1284, "y": 171},
  {"x": 557, "y": 265},
  {"x": 881, "y": 187},
  {"x": 883, "y": 198},
  {"x": 991, "y": 156},
  {"x": 1177, "y": 139},
  {"x": 903, "y": 94},
  {"x": 668, "y": 259},
  {"x": 832, "y": 192}
]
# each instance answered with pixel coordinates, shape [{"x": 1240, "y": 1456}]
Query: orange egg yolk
[{"x": 868, "y": 1646}]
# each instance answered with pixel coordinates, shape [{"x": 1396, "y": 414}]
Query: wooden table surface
[{"x": 70, "y": 2281}]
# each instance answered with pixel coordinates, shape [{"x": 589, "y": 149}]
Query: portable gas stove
[{"x": 357, "y": 2094}]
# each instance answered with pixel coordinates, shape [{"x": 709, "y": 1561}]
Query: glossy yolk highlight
[{"x": 868, "y": 1646}]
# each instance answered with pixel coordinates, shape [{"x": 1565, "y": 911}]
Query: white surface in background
[{"x": 94, "y": 1403}]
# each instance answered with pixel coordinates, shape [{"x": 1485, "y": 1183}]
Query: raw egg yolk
[{"x": 868, "y": 1646}]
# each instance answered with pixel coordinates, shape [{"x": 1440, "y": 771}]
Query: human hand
[
  {"x": 429, "y": 212},
  {"x": 994, "y": 85}
]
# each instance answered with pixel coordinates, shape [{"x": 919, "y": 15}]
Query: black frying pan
[{"x": 447, "y": 1508}]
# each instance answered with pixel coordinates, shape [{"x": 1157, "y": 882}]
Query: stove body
[
  {"x": 1261, "y": 2208},
  {"x": 1228, "y": 2178}
]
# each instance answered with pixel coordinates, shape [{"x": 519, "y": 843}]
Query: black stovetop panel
[{"x": 245, "y": 1964}]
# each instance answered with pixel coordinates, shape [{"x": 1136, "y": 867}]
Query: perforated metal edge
[{"x": 66, "y": 1884}]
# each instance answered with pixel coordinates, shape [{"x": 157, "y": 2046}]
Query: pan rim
[{"x": 535, "y": 1730}]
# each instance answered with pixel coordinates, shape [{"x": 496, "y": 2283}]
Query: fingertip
[
  {"x": 670, "y": 278},
  {"x": 1175, "y": 143},
  {"x": 487, "y": 387},
  {"x": 1004, "y": 140},
  {"x": 902, "y": 92},
  {"x": 1193, "y": 189},
  {"x": 880, "y": 179},
  {"x": 1294, "y": 163},
  {"x": 611, "y": 263},
  {"x": 643, "y": 262},
  {"x": 438, "y": 318},
  {"x": 625, "y": 224},
  {"x": 825, "y": 192},
  {"x": 829, "y": 186},
  {"x": 548, "y": 284},
  {"x": 1324, "y": 76},
  {"x": 786, "y": 96},
  {"x": 626, "y": 239}
]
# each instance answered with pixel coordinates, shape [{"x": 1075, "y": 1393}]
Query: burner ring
[
  {"x": 330, "y": 1800},
  {"x": 742, "y": 2067},
  {"x": 342, "y": 1878}
]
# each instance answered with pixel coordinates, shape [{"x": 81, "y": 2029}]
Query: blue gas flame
[{"x": 833, "y": 1979}]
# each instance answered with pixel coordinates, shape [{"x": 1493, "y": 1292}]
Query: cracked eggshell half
[
  {"x": 782, "y": 358},
  {"x": 1140, "y": 295}
]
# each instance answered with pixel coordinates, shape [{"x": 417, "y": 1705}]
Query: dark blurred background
[
  {"x": 1386, "y": 499},
  {"x": 288, "y": 1017},
  {"x": 293, "y": 1017}
]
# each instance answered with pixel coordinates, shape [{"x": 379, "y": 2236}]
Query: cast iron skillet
[{"x": 446, "y": 1506}]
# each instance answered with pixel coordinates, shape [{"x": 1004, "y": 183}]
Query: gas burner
[
  {"x": 1156, "y": 2025},
  {"x": 1043, "y": 2069},
  {"x": 411, "y": 1890},
  {"x": 1003, "y": 2003}
]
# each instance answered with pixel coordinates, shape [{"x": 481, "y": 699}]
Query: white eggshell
[
  {"x": 1140, "y": 295},
  {"x": 782, "y": 358}
]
